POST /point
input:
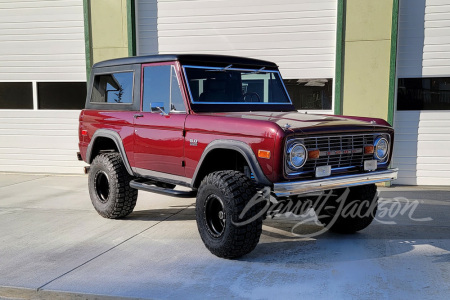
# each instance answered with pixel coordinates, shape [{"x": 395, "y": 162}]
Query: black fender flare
[
  {"x": 241, "y": 147},
  {"x": 115, "y": 137}
]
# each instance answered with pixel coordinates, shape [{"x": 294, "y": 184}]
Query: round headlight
[
  {"x": 297, "y": 156},
  {"x": 381, "y": 148}
]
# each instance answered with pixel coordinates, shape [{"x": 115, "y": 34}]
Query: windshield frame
[{"x": 256, "y": 70}]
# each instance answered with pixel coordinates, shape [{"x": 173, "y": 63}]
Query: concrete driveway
[{"x": 54, "y": 245}]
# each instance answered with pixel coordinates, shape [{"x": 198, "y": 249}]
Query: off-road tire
[
  {"x": 363, "y": 197},
  {"x": 109, "y": 186},
  {"x": 234, "y": 190}
]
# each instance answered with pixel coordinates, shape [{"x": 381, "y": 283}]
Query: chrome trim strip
[
  {"x": 155, "y": 175},
  {"x": 285, "y": 189}
]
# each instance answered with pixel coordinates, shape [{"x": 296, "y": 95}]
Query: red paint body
[
  {"x": 156, "y": 142},
  {"x": 162, "y": 143}
]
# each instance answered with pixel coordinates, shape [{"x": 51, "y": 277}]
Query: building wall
[
  {"x": 41, "y": 42},
  {"x": 367, "y": 58},
  {"x": 109, "y": 31},
  {"x": 422, "y": 148},
  {"x": 41, "y": 141},
  {"x": 147, "y": 27},
  {"x": 300, "y": 36},
  {"x": 424, "y": 42}
]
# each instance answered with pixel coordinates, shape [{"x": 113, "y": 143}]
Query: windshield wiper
[
  {"x": 257, "y": 71},
  {"x": 219, "y": 70}
]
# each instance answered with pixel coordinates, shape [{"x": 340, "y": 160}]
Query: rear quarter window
[{"x": 114, "y": 88}]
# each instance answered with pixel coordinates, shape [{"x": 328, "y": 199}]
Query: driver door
[{"x": 158, "y": 138}]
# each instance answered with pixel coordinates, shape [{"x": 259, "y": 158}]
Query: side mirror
[{"x": 158, "y": 107}]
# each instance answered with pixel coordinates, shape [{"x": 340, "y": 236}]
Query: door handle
[{"x": 138, "y": 116}]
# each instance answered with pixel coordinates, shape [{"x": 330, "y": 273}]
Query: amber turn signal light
[
  {"x": 264, "y": 154},
  {"x": 368, "y": 149},
  {"x": 313, "y": 154}
]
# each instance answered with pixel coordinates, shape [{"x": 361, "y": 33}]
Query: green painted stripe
[
  {"x": 87, "y": 37},
  {"x": 392, "y": 71},
  {"x": 339, "y": 57},
  {"x": 131, "y": 28}
]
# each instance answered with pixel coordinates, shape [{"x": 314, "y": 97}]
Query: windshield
[{"x": 208, "y": 85}]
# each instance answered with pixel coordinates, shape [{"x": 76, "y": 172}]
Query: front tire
[
  {"x": 221, "y": 199},
  {"x": 352, "y": 213},
  {"x": 109, "y": 187}
]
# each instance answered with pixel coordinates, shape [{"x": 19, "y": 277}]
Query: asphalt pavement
[{"x": 53, "y": 245}]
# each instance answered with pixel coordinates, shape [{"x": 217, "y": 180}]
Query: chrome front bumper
[{"x": 285, "y": 189}]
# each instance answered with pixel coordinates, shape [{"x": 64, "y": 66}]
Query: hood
[{"x": 292, "y": 122}]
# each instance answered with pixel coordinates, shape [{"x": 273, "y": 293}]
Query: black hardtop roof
[{"x": 197, "y": 59}]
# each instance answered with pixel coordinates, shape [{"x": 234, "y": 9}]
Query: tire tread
[
  {"x": 240, "y": 189},
  {"x": 124, "y": 197}
]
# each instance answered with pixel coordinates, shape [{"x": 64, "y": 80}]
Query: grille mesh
[{"x": 327, "y": 146}]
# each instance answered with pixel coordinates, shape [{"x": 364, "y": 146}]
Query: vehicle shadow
[
  {"x": 279, "y": 245},
  {"x": 173, "y": 213},
  {"x": 284, "y": 242}
]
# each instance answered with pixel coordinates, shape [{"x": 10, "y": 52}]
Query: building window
[
  {"x": 61, "y": 95},
  {"x": 423, "y": 93},
  {"x": 16, "y": 95},
  {"x": 113, "y": 88},
  {"x": 310, "y": 94}
]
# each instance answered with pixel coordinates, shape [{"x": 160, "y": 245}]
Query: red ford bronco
[{"x": 225, "y": 128}]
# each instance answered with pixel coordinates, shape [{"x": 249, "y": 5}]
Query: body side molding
[{"x": 162, "y": 177}]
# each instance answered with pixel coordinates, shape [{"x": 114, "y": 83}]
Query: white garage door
[
  {"x": 422, "y": 119},
  {"x": 299, "y": 35},
  {"x": 42, "y": 45}
]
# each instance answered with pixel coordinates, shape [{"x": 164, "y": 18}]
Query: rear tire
[
  {"x": 221, "y": 199},
  {"x": 109, "y": 186},
  {"x": 356, "y": 212}
]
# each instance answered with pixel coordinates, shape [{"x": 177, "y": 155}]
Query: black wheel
[
  {"x": 221, "y": 199},
  {"x": 109, "y": 187},
  {"x": 352, "y": 213}
]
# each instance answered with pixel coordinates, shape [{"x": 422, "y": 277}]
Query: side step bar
[{"x": 160, "y": 190}]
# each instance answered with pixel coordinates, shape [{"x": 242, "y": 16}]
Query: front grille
[{"x": 338, "y": 151}]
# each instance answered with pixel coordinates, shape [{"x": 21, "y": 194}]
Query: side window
[
  {"x": 113, "y": 88},
  {"x": 161, "y": 89}
]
